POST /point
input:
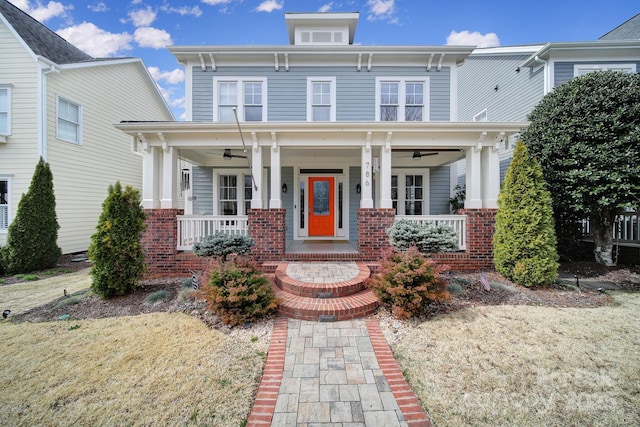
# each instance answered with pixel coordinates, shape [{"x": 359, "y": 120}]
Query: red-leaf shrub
[
  {"x": 238, "y": 292},
  {"x": 408, "y": 281}
]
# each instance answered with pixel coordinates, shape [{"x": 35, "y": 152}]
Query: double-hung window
[
  {"x": 582, "y": 69},
  {"x": 408, "y": 193},
  {"x": 246, "y": 95},
  {"x": 401, "y": 99},
  {"x": 234, "y": 194},
  {"x": 5, "y": 112},
  {"x": 5, "y": 206},
  {"x": 321, "y": 99},
  {"x": 69, "y": 121}
]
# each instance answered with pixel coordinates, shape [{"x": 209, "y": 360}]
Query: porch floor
[{"x": 321, "y": 247}]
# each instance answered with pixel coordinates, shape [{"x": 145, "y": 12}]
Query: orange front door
[{"x": 321, "y": 206}]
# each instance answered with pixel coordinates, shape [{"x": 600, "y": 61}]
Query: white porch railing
[
  {"x": 194, "y": 228},
  {"x": 457, "y": 222},
  {"x": 626, "y": 228}
]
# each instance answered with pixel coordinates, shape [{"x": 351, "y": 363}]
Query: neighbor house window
[
  {"x": 401, "y": 100},
  {"x": 5, "y": 111},
  {"x": 321, "y": 99},
  {"x": 4, "y": 204},
  {"x": 233, "y": 199},
  {"x": 481, "y": 116},
  {"x": 246, "y": 95},
  {"x": 582, "y": 69},
  {"x": 69, "y": 121},
  {"x": 409, "y": 193}
]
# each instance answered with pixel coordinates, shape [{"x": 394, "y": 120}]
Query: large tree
[{"x": 586, "y": 136}]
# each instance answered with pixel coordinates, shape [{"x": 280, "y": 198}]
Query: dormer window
[
  {"x": 321, "y": 29},
  {"x": 321, "y": 36}
]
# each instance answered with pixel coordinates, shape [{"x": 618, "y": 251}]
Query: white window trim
[
  {"x": 344, "y": 36},
  {"x": 239, "y": 190},
  {"x": 401, "y": 188},
  {"x": 3, "y": 135},
  {"x": 80, "y": 120},
  {"x": 240, "y": 101},
  {"x": 332, "y": 82},
  {"x": 8, "y": 179},
  {"x": 481, "y": 116},
  {"x": 627, "y": 67},
  {"x": 402, "y": 81}
]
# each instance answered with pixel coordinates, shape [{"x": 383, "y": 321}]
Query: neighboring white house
[{"x": 59, "y": 103}]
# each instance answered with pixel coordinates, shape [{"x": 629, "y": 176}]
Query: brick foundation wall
[
  {"x": 268, "y": 229},
  {"x": 373, "y": 240}
]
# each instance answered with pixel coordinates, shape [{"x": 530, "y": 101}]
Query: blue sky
[{"x": 139, "y": 28}]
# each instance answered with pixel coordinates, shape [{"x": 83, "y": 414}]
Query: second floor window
[
  {"x": 321, "y": 99},
  {"x": 69, "y": 121},
  {"x": 247, "y": 96},
  {"x": 5, "y": 110},
  {"x": 401, "y": 100}
]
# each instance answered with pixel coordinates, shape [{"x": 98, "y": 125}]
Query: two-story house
[
  {"x": 333, "y": 142},
  {"x": 58, "y": 103}
]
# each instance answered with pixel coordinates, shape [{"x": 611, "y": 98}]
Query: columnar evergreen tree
[
  {"x": 115, "y": 250},
  {"x": 524, "y": 241},
  {"x": 33, "y": 234},
  {"x": 586, "y": 136}
]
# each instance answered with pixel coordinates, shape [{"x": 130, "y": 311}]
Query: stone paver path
[{"x": 326, "y": 272}]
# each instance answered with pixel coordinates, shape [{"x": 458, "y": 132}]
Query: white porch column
[
  {"x": 275, "y": 202},
  {"x": 366, "y": 180},
  {"x": 385, "y": 177},
  {"x": 474, "y": 178},
  {"x": 490, "y": 177},
  {"x": 169, "y": 180},
  {"x": 256, "y": 171},
  {"x": 150, "y": 181}
]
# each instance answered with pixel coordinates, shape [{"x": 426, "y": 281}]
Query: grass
[
  {"x": 523, "y": 365},
  {"x": 27, "y": 277},
  {"x": 156, "y": 297},
  {"x": 152, "y": 369}
]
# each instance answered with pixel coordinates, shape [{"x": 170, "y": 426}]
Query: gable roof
[
  {"x": 628, "y": 30},
  {"x": 40, "y": 39}
]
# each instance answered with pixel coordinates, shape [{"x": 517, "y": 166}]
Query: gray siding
[
  {"x": 202, "y": 182},
  {"x": 355, "y": 91},
  {"x": 287, "y": 199},
  {"x": 354, "y": 202},
  {"x": 563, "y": 71},
  {"x": 517, "y": 94},
  {"x": 439, "y": 190},
  {"x": 504, "y": 165}
]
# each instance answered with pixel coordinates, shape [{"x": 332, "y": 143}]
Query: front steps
[{"x": 333, "y": 301}]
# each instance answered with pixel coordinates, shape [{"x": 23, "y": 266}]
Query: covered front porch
[{"x": 308, "y": 189}]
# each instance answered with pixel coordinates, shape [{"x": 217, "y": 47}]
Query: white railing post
[
  {"x": 457, "y": 222},
  {"x": 193, "y": 228}
]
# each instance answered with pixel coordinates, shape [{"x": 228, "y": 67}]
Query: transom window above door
[
  {"x": 248, "y": 96},
  {"x": 401, "y": 99}
]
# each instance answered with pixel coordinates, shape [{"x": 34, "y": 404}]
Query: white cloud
[
  {"x": 326, "y": 7},
  {"x": 215, "y": 2},
  {"x": 152, "y": 37},
  {"x": 382, "y": 10},
  {"x": 172, "y": 77},
  {"x": 142, "y": 17},
  {"x": 40, "y": 12},
  {"x": 183, "y": 10},
  {"x": 473, "y": 39},
  {"x": 269, "y": 6},
  {"x": 98, "y": 7},
  {"x": 96, "y": 41}
]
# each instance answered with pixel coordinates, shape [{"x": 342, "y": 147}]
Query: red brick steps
[{"x": 345, "y": 300}]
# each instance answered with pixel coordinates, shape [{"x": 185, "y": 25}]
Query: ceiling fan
[
  {"x": 418, "y": 154},
  {"x": 228, "y": 155}
]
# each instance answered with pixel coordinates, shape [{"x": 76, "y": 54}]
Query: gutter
[{"x": 45, "y": 67}]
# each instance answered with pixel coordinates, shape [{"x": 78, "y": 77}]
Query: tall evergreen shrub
[
  {"x": 33, "y": 234},
  {"x": 115, "y": 250},
  {"x": 524, "y": 243}
]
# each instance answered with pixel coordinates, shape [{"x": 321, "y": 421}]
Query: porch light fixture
[
  {"x": 284, "y": 187},
  {"x": 358, "y": 188}
]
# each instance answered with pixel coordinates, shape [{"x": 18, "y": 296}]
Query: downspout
[
  {"x": 45, "y": 67},
  {"x": 547, "y": 78}
]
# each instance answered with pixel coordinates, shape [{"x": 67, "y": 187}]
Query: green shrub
[
  {"x": 115, "y": 249},
  {"x": 33, "y": 233},
  {"x": 238, "y": 292},
  {"x": 220, "y": 245},
  {"x": 27, "y": 277},
  {"x": 156, "y": 297},
  {"x": 524, "y": 243},
  {"x": 408, "y": 281},
  {"x": 3, "y": 269},
  {"x": 457, "y": 201},
  {"x": 428, "y": 238}
]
